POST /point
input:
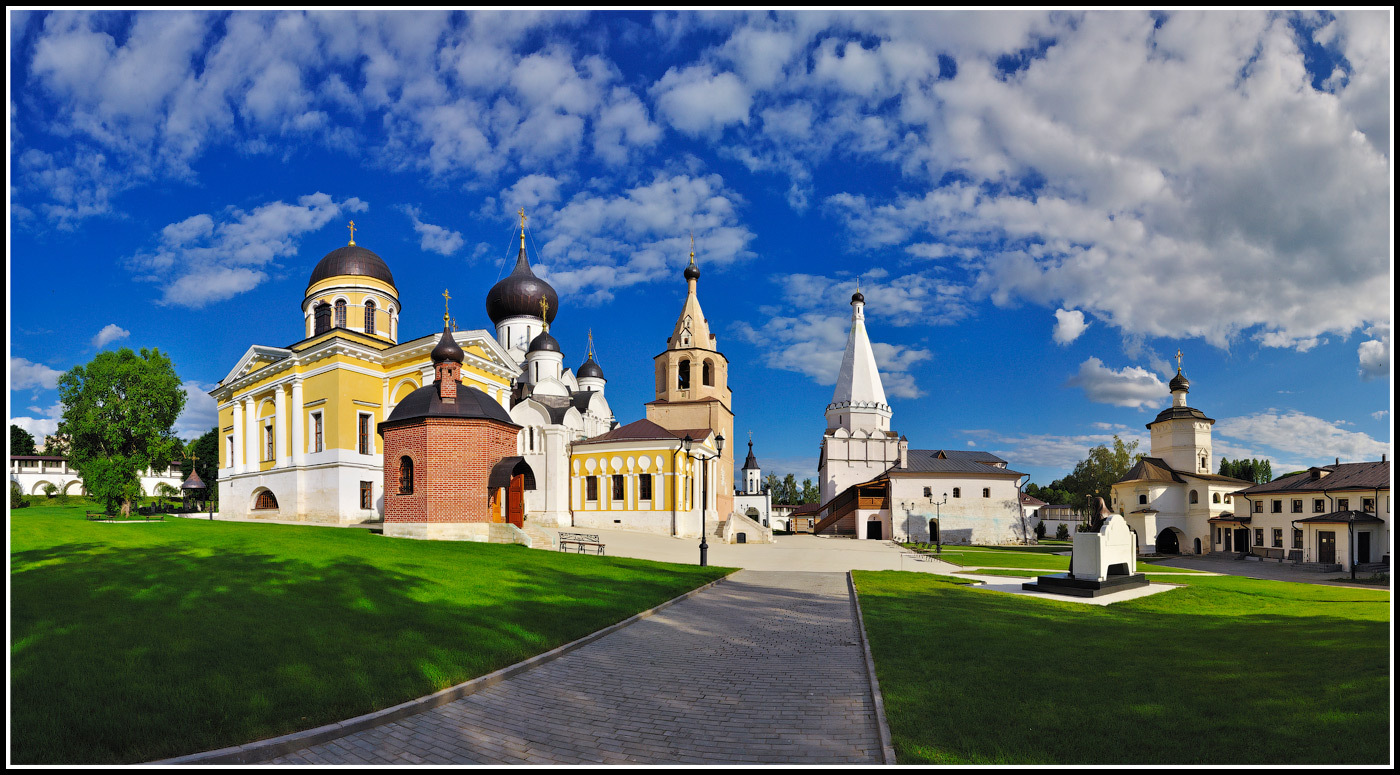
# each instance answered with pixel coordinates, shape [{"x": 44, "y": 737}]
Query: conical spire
[
  {"x": 692, "y": 330},
  {"x": 859, "y": 380}
]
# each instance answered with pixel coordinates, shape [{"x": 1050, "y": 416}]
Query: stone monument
[{"x": 1101, "y": 562}]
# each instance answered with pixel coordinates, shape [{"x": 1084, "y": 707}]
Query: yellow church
[{"x": 299, "y": 423}]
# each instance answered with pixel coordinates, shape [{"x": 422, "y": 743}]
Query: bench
[
  {"x": 95, "y": 516},
  {"x": 581, "y": 540}
]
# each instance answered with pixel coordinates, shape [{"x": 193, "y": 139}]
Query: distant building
[
  {"x": 1054, "y": 515},
  {"x": 803, "y": 518},
  {"x": 34, "y": 472},
  {"x": 1333, "y": 515},
  {"x": 752, "y": 500}
]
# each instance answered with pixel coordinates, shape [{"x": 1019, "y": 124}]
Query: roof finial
[
  {"x": 522, "y": 228},
  {"x": 352, "y": 232},
  {"x": 692, "y": 248},
  {"x": 590, "y": 343},
  {"x": 544, "y": 313},
  {"x": 445, "y": 298},
  {"x": 1178, "y": 360}
]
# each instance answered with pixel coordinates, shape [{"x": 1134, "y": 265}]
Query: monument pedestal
[{"x": 1064, "y": 584}]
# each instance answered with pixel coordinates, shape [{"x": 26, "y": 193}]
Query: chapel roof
[
  {"x": 353, "y": 260},
  {"x": 520, "y": 294},
  {"x": 470, "y": 404}
]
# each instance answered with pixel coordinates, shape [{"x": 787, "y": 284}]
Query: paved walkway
[
  {"x": 761, "y": 668},
  {"x": 1264, "y": 569}
]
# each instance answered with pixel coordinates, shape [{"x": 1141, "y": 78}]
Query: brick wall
[{"x": 452, "y": 461}]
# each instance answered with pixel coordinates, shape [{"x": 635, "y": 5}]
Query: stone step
[
  {"x": 540, "y": 539},
  {"x": 1372, "y": 567}
]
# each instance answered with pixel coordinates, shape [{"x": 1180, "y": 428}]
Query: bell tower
[{"x": 692, "y": 382}]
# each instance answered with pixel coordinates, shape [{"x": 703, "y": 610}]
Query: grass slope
[
  {"x": 1224, "y": 670},
  {"x": 1028, "y": 557},
  {"x": 133, "y": 642}
]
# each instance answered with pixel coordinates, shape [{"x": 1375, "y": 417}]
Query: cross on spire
[
  {"x": 1178, "y": 360},
  {"x": 446, "y": 297},
  {"x": 522, "y": 228},
  {"x": 544, "y": 313},
  {"x": 352, "y": 232},
  {"x": 590, "y": 343},
  {"x": 692, "y": 248}
]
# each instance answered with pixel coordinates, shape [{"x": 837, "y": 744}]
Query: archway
[
  {"x": 68, "y": 489},
  {"x": 1167, "y": 542},
  {"x": 1198, "y": 546},
  {"x": 874, "y": 530},
  {"x": 514, "y": 476},
  {"x": 933, "y": 531}
]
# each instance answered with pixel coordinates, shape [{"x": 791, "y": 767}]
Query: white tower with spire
[{"x": 858, "y": 444}]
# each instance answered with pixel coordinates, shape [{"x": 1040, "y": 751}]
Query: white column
[
  {"x": 280, "y": 423},
  {"x": 298, "y": 426},
  {"x": 237, "y": 461},
  {"x": 250, "y": 436}
]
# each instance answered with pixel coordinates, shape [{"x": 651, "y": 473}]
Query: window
[
  {"x": 1277, "y": 507},
  {"x": 365, "y": 448},
  {"x": 617, "y": 487},
  {"x": 1278, "y": 536},
  {"x": 1142, "y": 500},
  {"x": 1194, "y": 497},
  {"x": 928, "y": 492},
  {"x": 1297, "y": 538},
  {"x": 369, "y": 317},
  {"x": 1205, "y": 464},
  {"x": 1215, "y": 497},
  {"x": 1297, "y": 505},
  {"x": 591, "y": 489},
  {"x": 707, "y": 373},
  {"x": 1258, "y": 536},
  {"x": 1343, "y": 504},
  {"x": 1368, "y": 505},
  {"x": 316, "y": 445},
  {"x": 1258, "y": 507},
  {"x": 323, "y": 318},
  {"x": 405, "y": 475},
  {"x": 229, "y": 447},
  {"x": 266, "y": 500},
  {"x": 986, "y": 492},
  {"x": 340, "y": 314},
  {"x": 644, "y": 487},
  {"x": 683, "y": 376},
  {"x": 271, "y": 442},
  {"x": 1319, "y": 506},
  {"x": 957, "y": 492},
  {"x": 366, "y": 495},
  {"x": 1227, "y": 499}
]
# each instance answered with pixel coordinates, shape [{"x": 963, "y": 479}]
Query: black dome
[
  {"x": 590, "y": 368},
  {"x": 544, "y": 342},
  {"x": 447, "y": 348},
  {"x": 1179, "y": 382},
  {"x": 471, "y": 404},
  {"x": 857, "y": 297},
  {"x": 351, "y": 260},
  {"x": 692, "y": 272},
  {"x": 520, "y": 294}
]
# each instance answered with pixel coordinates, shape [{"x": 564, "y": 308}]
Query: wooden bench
[
  {"x": 1267, "y": 553},
  {"x": 581, "y": 540},
  {"x": 95, "y": 516}
]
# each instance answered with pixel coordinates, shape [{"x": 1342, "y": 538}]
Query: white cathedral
[{"x": 874, "y": 486}]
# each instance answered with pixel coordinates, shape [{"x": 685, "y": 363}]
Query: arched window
[
  {"x": 957, "y": 492},
  {"x": 683, "y": 376},
  {"x": 323, "y": 318},
  {"x": 986, "y": 492},
  {"x": 340, "y": 313},
  {"x": 1194, "y": 497},
  {"x": 369, "y": 317},
  {"x": 266, "y": 500},
  {"x": 1142, "y": 500},
  {"x": 1215, "y": 498},
  {"x": 405, "y": 475},
  {"x": 707, "y": 373}
]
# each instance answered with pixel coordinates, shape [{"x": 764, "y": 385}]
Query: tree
[
  {"x": 1093, "y": 477},
  {"x": 790, "y": 491},
  {"x": 50, "y": 489},
  {"x": 202, "y": 457},
  {"x": 21, "y": 442},
  {"x": 1062, "y": 532},
  {"x": 17, "y": 500},
  {"x": 56, "y": 444},
  {"x": 165, "y": 490},
  {"x": 1040, "y": 530},
  {"x": 118, "y": 411},
  {"x": 1252, "y": 470},
  {"x": 774, "y": 485},
  {"x": 810, "y": 493}
]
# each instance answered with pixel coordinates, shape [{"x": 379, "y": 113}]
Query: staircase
[
  {"x": 1373, "y": 567},
  {"x": 719, "y": 530},
  {"x": 539, "y": 539}
]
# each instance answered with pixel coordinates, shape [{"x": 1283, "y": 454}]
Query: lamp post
[
  {"x": 704, "y": 487},
  {"x": 938, "y": 517}
]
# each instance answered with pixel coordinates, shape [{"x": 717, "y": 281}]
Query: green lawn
[
  {"x": 133, "y": 642},
  {"x": 1028, "y": 557},
  {"x": 1224, "y": 670}
]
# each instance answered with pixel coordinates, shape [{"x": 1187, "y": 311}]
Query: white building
[
  {"x": 1330, "y": 516},
  {"x": 874, "y": 486},
  {"x": 751, "y": 499},
  {"x": 35, "y": 472},
  {"x": 1170, "y": 498}
]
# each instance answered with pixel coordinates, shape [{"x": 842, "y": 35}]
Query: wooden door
[
  {"x": 515, "y": 501},
  {"x": 1326, "y": 546},
  {"x": 873, "y": 530},
  {"x": 1363, "y": 547}
]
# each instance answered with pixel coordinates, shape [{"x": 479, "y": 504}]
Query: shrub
[
  {"x": 1039, "y": 531},
  {"x": 17, "y": 500},
  {"x": 1062, "y": 532},
  {"x": 50, "y": 490}
]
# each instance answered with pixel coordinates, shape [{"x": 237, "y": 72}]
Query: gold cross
[
  {"x": 1178, "y": 359},
  {"x": 522, "y": 228},
  {"x": 352, "y": 232},
  {"x": 445, "y": 299},
  {"x": 692, "y": 248},
  {"x": 544, "y": 312}
]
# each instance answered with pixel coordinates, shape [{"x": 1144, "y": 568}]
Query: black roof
[
  {"x": 953, "y": 461},
  {"x": 471, "y": 404},
  {"x": 1351, "y": 515},
  {"x": 750, "y": 461},
  {"x": 590, "y": 368},
  {"x": 544, "y": 343},
  {"x": 1179, "y": 382},
  {"x": 1374, "y": 475},
  {"x": 520, "y": 293},
  {"x": 351, "y": 260},
  {"x": 447, "y": 348},
  {"x": 1178, "y": 412}
]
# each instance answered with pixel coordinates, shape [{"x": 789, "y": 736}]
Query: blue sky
[{"x": 1042, "y": 207}]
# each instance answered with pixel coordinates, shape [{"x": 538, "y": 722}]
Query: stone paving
[
  {"x": 1262, "y": 569},
  {"x": 765, "y": 667}
]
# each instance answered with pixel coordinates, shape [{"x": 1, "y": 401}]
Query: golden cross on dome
[
  {"x": 692, "y": 248},
  {"x": 352, "y": 232},
  {"x": 522, "y": 228},
  {"x": 590, "y": 343},
  {"x": 544, "y": 313},
  {"x": 1178, "y": 360},
  {"x": 445, "y": 299}
]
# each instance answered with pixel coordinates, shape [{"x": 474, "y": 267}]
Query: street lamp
[
  {"x": 938, "y": 517},
  {"x": 704, "y": 486}
]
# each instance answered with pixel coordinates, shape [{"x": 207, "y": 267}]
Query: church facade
[{"x": 873, "y": 486}]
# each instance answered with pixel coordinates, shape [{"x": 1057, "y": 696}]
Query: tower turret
[
  {"x": 514, "y": 304},
  {"x": 753, "y": 476},
  {"x": 1181, "y": 436},
  {"x": 858, "y": 403}
]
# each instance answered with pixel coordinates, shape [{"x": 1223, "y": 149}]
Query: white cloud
[
  {"x": 1380, "y": 415},
  {"x": 1061, "y": 452},
  {"x": 206, "y": 259},
  {"x": 1069, "y": 324},
  {"x": 110, "y": 333},
  {"x": 26, "y": 375},
  {"x": 200, "y": 414},
  {"x": 697, "y": 101},
  {"x": 438, "y": 239},
  {"x": 1130, "y": 386},
  {"x": 1374, "y": 354},
  {"x": 1302, "y": 436},
  {"x": 38, "y": 427}
]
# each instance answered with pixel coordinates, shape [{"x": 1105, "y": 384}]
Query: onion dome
[
  {"x": 544, "y": 343},
  {"x": 1179, "y": 382},
  {"x": 692, "y": 272},
  {"x": 469, "y": 404},
  {"x": 520, "y": 293},
  {"x": 447, "y": 348},
  {"x": 351, "y": 260},
  {"x": 857, "y": 297},
  {"x": 590, "y": 368}
]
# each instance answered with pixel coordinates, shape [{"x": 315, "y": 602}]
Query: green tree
[
  {"x": 17, "y": 500},
  {"x": 1062, "y": 532},
  {"x": 56, "y": 444},
  {"x": 202, "y": 457},
  {"x": 163, "y": 491},
  {"x": 810, "y": 492},
  {"x": 21, "y": 442},
  {"x": 118, "y": 411},
  {"x": 774, "y": 485},
  {"x": 790, "y": 491},
  {"x": 1093, "y": 477}
]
